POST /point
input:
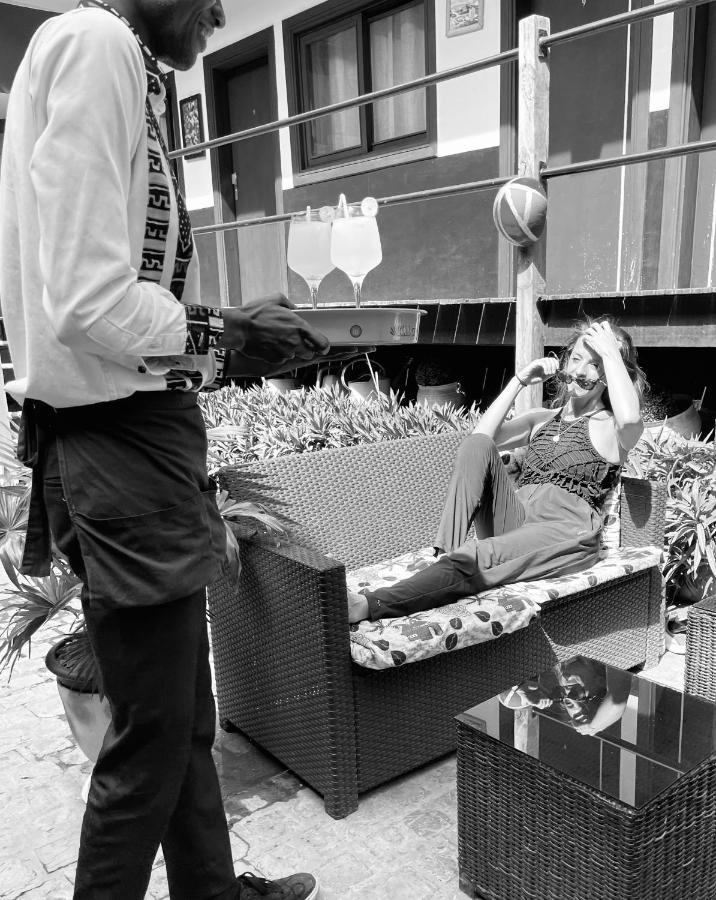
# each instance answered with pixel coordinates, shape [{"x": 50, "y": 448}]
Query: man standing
[{"x": 110, "y": 345}]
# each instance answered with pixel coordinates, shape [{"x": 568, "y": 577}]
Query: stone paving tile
[
  {"x": 57, "y": 888},
  {"x": 401, "y": 843},
  {"x": 19, "y": 874}
]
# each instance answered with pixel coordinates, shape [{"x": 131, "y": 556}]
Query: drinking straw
[{"x": 372, "y": 374}]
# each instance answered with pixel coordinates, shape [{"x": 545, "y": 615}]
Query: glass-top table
[
  {"x": 587, "y": 781},
  {"x": 643, "y": 736}
]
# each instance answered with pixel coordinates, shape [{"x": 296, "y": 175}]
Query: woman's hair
[{"x": 626, "y": 348}]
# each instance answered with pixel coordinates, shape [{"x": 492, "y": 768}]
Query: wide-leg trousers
[
  {"x": 526, "y": 533},
  {"x": 125, "y": 490}
]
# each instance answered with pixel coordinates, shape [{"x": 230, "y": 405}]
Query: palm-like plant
[
  {"x": 14, "y": 508},
  {"x": 33, "y": 602},
  {"x": 28, "y": 603}
]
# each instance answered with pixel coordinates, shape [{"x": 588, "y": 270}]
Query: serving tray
[{"x": 369, "y": 325}]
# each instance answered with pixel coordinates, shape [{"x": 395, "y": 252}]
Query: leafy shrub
[
  {"x": 257, "y": 423},
  {"x": 688, "y": 469}
]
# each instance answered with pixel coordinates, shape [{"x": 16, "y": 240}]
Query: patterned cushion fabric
[
  {"x": 387, "y": 643},
  {"x": 611, "y": 522}
]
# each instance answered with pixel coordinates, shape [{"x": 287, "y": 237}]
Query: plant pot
[
  {"x": 437, "y": 394},
  {"x": 365, "y": 387},
  {"x": 687, "y": 590},
  {"x": 88, "y": 716},
  {"x": 365, "y": 390},
  {"x": 675, "y": 630},
  {"x": 88, "y": 713},
  {"x": 686, "y": 423},
  {"x": 328, "y": 380},
  {"x": 283, "y": 385}
]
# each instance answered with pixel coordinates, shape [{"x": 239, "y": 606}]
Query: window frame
[
  {"x": 323, "y": 20},
  {"x": 303, "y": 40}
]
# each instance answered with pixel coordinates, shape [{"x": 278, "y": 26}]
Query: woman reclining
[{"x": 549, "y": 524}]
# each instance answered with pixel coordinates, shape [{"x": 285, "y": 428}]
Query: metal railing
[{"x": 507, "y": 56}]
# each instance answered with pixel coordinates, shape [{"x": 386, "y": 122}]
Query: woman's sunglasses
[{"x": 586, "y": 384}]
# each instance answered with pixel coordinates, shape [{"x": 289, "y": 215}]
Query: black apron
[{"x": 123, "y": 486}]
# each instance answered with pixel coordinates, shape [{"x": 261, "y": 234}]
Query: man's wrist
[
  {"x": 236, "y": 328},
  {"x": 204, "y": 327},
  {"x": 520, "y": 381}
]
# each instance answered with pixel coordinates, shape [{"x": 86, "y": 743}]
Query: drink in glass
[
  {"x": 355, "y": 241},
  {"x": 309, "y": 247}
]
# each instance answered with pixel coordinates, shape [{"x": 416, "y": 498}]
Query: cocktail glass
[
  {"x": 355, "y": 242},
  {"x": 309, "y": 247}
]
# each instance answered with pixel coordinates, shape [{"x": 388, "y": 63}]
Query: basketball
[{"x": 520, "y": 211}]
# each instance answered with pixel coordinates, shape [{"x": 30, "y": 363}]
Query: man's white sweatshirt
[{"x": 73, "y": 204}]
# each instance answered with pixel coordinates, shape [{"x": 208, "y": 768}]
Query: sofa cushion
[
  {"x": 387, "y": 643},
  {"x": 611, "y": 519}
]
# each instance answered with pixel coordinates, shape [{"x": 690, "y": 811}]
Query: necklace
[{"x": 556, "y": 439}]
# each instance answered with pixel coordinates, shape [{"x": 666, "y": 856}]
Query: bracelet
[{"x": 523, "y": 383}]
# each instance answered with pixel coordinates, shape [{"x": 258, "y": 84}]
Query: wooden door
[{"x": 255, "y": 178}]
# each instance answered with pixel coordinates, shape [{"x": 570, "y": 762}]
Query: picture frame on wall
[
  {"x": 192, "y": 124},
  {"x": 464, "y": 16}
]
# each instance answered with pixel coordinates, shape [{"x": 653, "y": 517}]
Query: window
[{"x": 363, "y": 50}]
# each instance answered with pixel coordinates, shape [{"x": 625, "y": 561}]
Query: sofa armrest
[
  {"x": 287, "y": 586},
  {"x": 643, "y": 512},
  {"x": 280, "y": 637}
]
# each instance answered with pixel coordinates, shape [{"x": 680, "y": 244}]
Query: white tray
[{"x": 368, "y": 325}]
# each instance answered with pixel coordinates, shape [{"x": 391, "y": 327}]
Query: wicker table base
[
  {"x": 527, "y": 831},
  {"x": 700, "y": 671}
]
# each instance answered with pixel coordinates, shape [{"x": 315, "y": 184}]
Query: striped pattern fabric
[{"x": 158, "y": 207}]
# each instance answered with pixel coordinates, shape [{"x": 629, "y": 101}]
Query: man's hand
[{"x": 270, "y": 332}]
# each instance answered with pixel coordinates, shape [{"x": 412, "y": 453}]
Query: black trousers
[{"x": 104, "y": 470}]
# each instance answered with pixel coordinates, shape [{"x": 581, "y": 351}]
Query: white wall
[{"x": 468, "y": 107}]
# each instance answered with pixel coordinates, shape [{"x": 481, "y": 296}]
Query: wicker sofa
[{"x": 280, "y": 634}]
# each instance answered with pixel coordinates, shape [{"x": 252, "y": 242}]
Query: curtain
[
  {"x": 332, "y": 65},
  {"x": 397, "y": 54}
]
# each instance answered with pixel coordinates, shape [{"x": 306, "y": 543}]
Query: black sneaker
[{"x": 301, "y": 886}]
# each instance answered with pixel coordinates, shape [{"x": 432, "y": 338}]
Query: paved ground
[{"x": 401, "y": 844}]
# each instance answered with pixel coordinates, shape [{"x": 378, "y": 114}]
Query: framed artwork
[
  {"x": 464, "y": 16},
  {"x": 192, "y": 124}
]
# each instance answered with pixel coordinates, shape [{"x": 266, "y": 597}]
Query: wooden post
[{"x": 532, "y": 149}]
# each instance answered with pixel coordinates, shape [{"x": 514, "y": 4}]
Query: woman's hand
[
  {"x": 538, "y": 370},
  {"x": 600, "y": 338}
]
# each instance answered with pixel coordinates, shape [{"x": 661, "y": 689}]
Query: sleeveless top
[{"x": 571, "y": 462}]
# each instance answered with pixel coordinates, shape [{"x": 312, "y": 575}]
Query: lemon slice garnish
[{"x": 369, "y": 206}]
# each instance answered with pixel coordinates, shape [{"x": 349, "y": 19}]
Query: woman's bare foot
[{"x": 357, "y": 607}]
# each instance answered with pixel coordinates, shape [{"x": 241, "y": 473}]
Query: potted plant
[
  {"x": 666, "y": 411},
  {"x": 688, "y": 468},
  {"x": 438, "y": 384}
]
